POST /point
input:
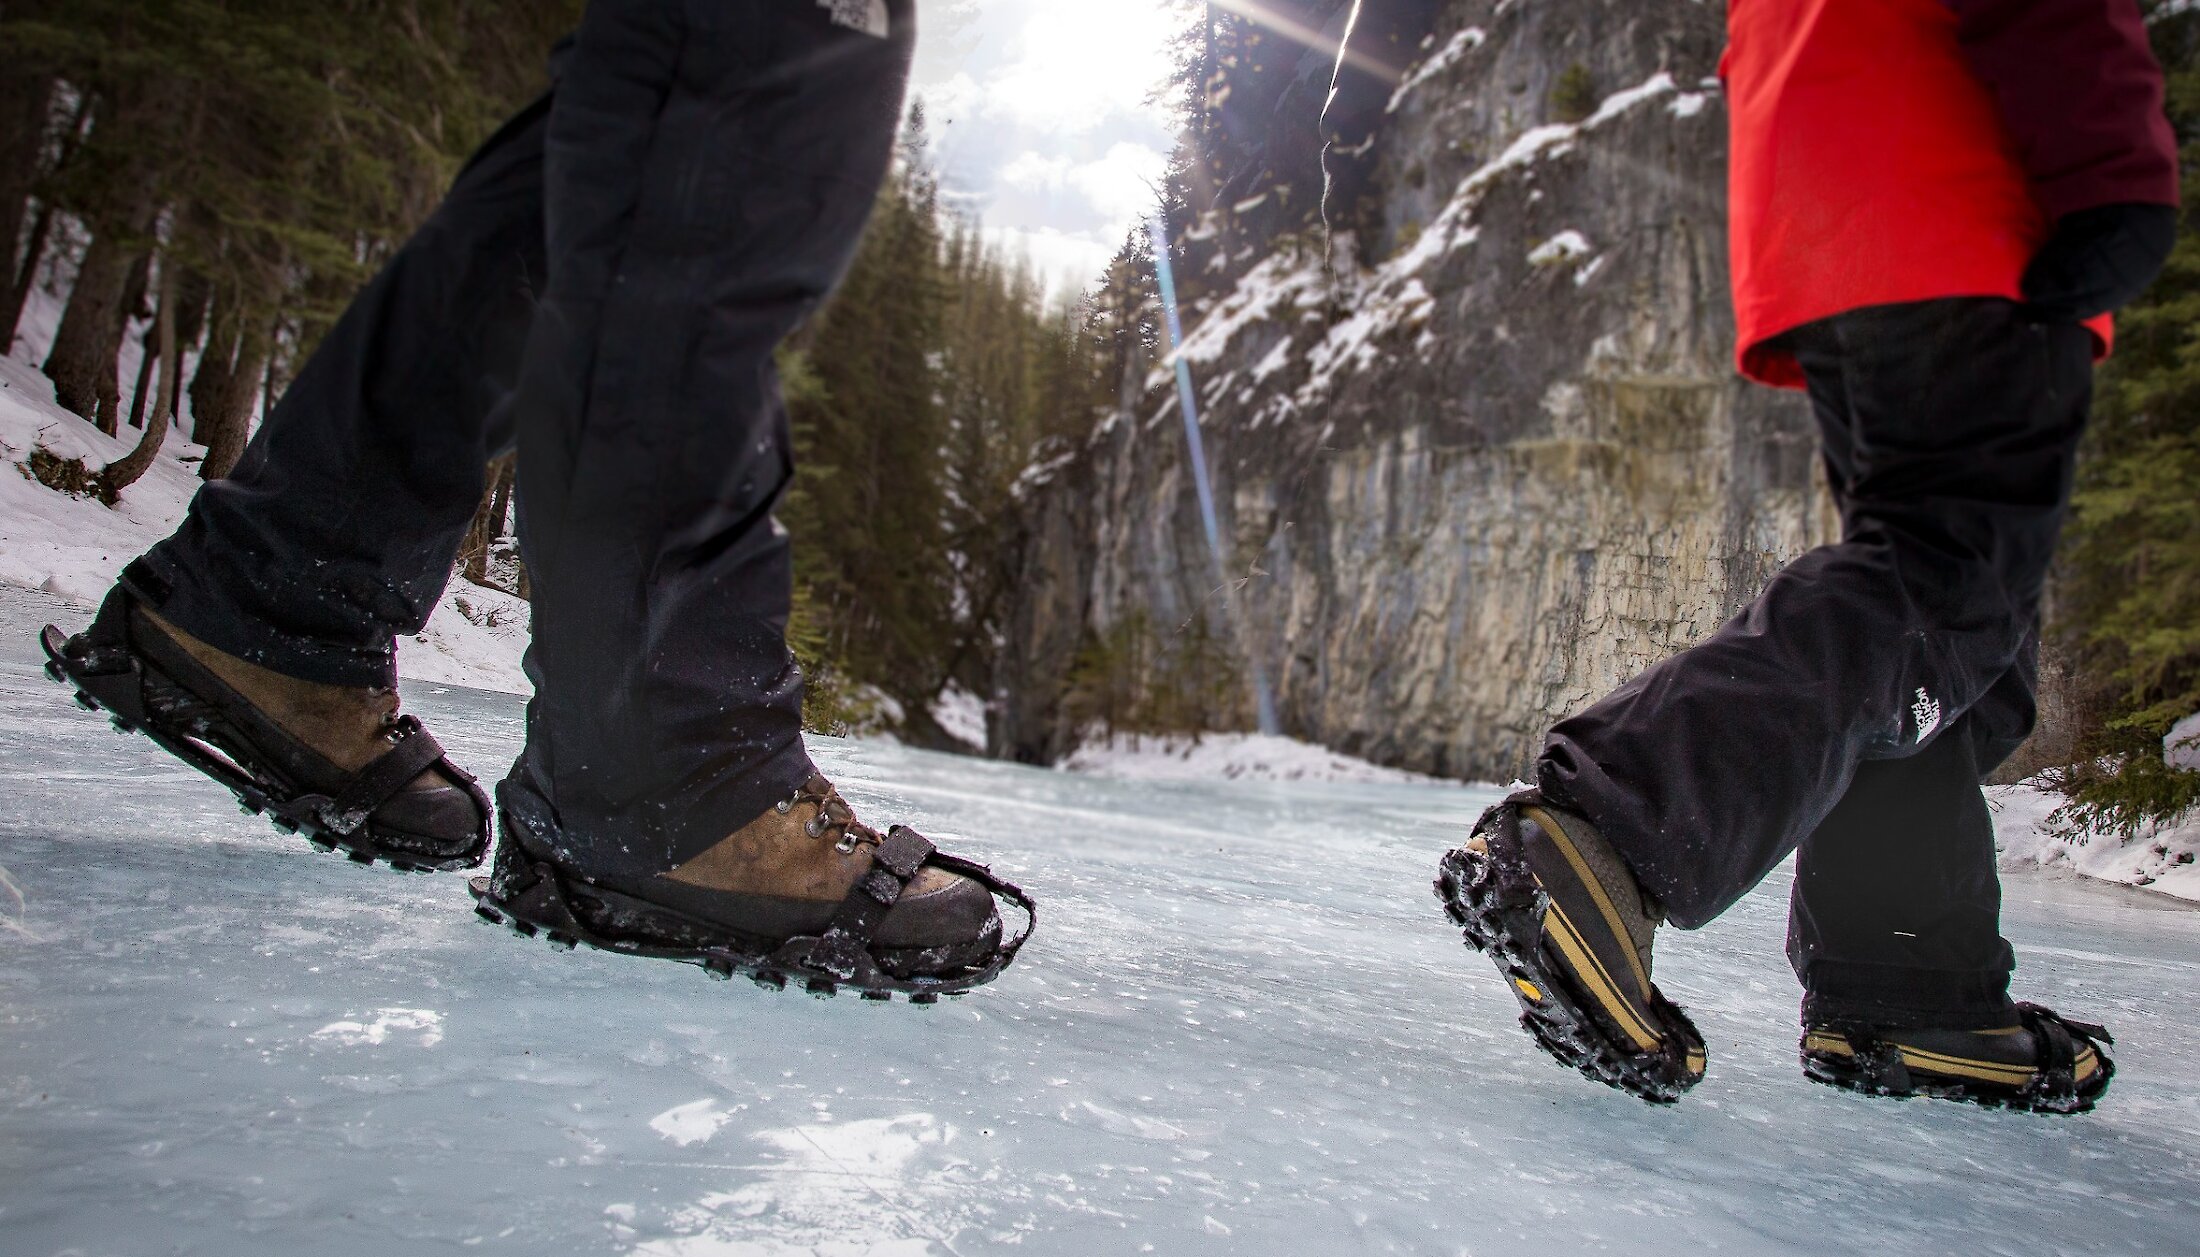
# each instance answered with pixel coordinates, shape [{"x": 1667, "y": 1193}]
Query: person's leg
[
  {"x": 1895, "y": 915},
  {"x": 709, "y": 173},
  {"x": 257, "y": 642},
  {"x": 710, "y": 170},
  {"x": 1961, "y": 429},
  {"x": 336, "y": 532},
  {"x": 1895, "y": 910}
]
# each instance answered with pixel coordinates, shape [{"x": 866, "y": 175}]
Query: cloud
[
  {"x": 1066, "y": 263},
  {"x": 1120, "y": 187},
  {"x": 1045, "y": 125}
]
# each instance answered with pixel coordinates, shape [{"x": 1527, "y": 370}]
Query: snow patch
[
  {"x": 1227, "y": 757},
  {"x": 2181, "y": 747},
  {"x": 691, "y": 1123},
  {"x": 424, "y": 1025},
  {"x": 822, "y": 1195},
  {"x": 961, "y": 713},
  {"x": 74, "y": 547},
  {"x": 1563, "y": 247},
  {"x": 1279, "y": 280},
  {"x": 1461, "y": 44},
  {"x": 2028, "y": 832},
  {"x": 1689, "y": 104}
]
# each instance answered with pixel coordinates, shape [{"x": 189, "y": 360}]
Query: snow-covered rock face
[{"x": 1499, "y": 465}]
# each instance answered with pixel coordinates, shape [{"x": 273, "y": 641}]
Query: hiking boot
[
  {"x": 804, "y": 891},
  {"x": 2040, "y": 1063},
  {"x": 1545, "y": 896},
  {"x": 338, "y": 763}
]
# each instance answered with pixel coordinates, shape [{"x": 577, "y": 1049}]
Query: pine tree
[{"x": 2128, "y": 588}]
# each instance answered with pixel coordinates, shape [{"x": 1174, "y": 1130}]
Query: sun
[{"x": 1076, "y": 64}]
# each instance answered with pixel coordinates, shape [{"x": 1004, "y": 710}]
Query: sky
[{"x": 1043, "y": 120}]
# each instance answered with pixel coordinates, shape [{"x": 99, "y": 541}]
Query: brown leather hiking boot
[
  {"x": 785, "y": 873},
  {"x": 337, "y": 762},
  {"x": 803, "y": 891}
]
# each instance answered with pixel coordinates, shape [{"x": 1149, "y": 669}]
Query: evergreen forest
[{"x": 217, "y": 177}]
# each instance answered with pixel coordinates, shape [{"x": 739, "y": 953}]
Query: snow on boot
[
  {"x": 337, "y": 763},
  {"x": 2043, "y": 1064},
  {"x": 805, "y": 892},
  {"x": 1546, "y": 898}
]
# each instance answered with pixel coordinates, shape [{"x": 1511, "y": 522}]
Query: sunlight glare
[{"x": 1077, "y": 63}]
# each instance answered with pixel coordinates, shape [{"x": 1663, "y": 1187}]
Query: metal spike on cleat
[
  {"x": 489, "y": 914},
  {"x": 770, "y": 980},
  {"x": 822, "y": 988}
]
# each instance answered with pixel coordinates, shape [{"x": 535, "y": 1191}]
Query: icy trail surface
[{"x": 1243, "y": 1028}]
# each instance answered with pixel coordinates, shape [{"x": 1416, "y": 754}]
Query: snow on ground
[
  {"x": 2181, "y": 745},
  {"x": 1243, "y": 1027},
  {"x": 1227, "y": 757},
  {"x": 2163, "y": 858},
  {"x": 961, "y": 713},
  {"x": 74, "y": 547}
]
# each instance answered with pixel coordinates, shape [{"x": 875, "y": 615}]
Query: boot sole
[
  {"x": 1499, "y": 908},
  {"x": 255, "y": 797},
  {"x": 1852, "y": 1073},
  {"x": 539, "y": 901}
]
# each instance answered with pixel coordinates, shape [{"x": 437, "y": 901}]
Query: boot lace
[{"x": 834, "y": 817}]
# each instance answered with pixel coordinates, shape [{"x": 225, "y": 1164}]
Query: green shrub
[{"x": 1574, "y": 96}]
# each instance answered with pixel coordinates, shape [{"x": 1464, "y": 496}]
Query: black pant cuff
[
  {"x": 205, "y": 614},
  {"x": 1899, "y": 996}
]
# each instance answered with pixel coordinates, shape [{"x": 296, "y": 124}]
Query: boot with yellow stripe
[
  {"x": 2043, "y": 1063},
  {"x": 1542, "y": 894}
]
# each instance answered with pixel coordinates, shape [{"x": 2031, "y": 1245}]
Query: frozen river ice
[{"x": 1243, "y": 1028}]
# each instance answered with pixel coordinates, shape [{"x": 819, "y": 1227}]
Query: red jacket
[{"x": 1905, "y": 150}]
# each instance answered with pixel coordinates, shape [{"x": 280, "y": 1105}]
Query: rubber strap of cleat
[
  {"x": 985, "y": 877},
  {"x": 2056, "y": 1078},
  {"x": 542, "y": 903},
  {"x": 844, "y": 949},
  {"x": 416, "y": 752},
  {"x": 1878, "y": 1061}
]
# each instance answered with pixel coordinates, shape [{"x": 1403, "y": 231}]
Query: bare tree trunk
[
  {"x": 82, "y": 364},
  {"x": 488, "y": 522},
  {"x": 25, "y": 275},
  {"x": 223, "y": 419},
  {"x": 117, "y": 476},
  {"x": 144, "y": 375},
  {"x": 24, "y": 103}
]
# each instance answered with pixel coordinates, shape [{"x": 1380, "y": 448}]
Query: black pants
[
  {"x": 1852, "y": 710},
  {"x": 603, "y": 286}
]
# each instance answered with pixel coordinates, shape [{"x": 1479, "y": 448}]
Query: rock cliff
[{"x": 1477, "y": 464}]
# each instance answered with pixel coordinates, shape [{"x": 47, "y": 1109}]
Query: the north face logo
[
  {"x": 1926, "y": 711},
  {"x": 868, "y": 16}
]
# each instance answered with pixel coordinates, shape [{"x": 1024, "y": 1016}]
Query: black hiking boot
[
  {"x": 1546, "y": 898},
  {"x": 335, "y": 763},
  {"x": 803, "y": 893},
  {"x": 2042, "y": 1064}
]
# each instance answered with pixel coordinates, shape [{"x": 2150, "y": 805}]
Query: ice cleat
[
  {"x": 1541, "y": 893},
  {"x": 805, "y": 893},
  {"x": 334, "y": 763},
  {"x": 2043, "y": 1064}
]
